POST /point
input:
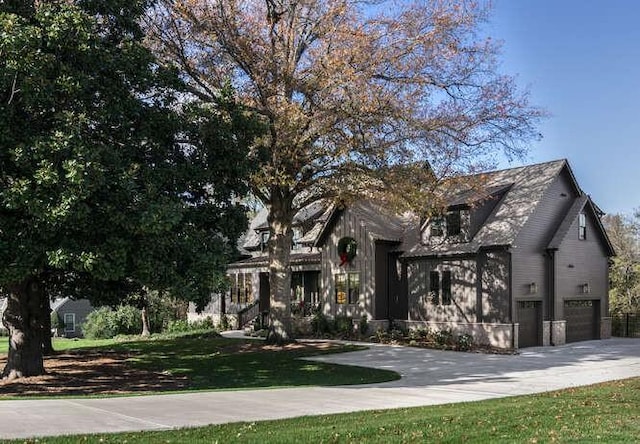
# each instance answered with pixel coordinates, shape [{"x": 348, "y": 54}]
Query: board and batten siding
[
  {"x": 463, "y": 307},
  {"x": 529, "y": 261},
  {"x": 494, "y": 287},
  {"x": 349, "y": 224}
]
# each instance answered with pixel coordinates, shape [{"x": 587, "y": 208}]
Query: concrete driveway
[{"x": 428, "y": 377}]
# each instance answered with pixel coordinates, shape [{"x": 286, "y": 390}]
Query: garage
[
  {"x": 530, "y": 323},
  {"x": 582, "y": 318}
]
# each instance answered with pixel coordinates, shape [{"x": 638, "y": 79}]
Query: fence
[{"x": 626, "y": 325}]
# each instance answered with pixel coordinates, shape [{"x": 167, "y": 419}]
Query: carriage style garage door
[
  {"x": 582, "y": 320},
  {"x": 530, "y": 320}
]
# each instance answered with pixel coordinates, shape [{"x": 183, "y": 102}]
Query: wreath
[{"x": 347, "y": 247}]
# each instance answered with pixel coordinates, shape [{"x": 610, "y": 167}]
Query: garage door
[
  {"x": 582, "y": 320},
  {"x": 530, "y": 320}
]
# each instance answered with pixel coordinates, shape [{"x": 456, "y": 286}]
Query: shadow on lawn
[
  {"x": 91, "y": 372},
  {"x": 195, "y": 362}
]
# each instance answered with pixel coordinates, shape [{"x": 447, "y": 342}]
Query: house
[
  {"x": 519, "y": 258},
  {"x": 71, "y": 313}
]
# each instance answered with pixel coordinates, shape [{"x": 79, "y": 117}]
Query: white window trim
[{"x": 73, "y": 323}]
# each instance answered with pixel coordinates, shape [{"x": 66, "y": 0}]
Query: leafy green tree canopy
[
  {"x": 108, "y": 179},
  {"x": 624, "y": 233}
]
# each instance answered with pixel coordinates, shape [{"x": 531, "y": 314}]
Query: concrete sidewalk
[{"x": 428, "y": 377}]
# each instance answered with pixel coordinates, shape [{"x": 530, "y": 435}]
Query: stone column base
[
  {"x": 558, "y": 332},
  {"x": 546, "y": 333},
  {"x": 605, "y": 328}
]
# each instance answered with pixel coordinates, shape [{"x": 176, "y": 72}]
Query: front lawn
[
  {"x": 199, "y": 361},
  {"x": 607, "y": 412}
]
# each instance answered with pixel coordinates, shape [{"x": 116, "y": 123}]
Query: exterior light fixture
[
  {"x": 585, "y": 288},
  {"x": 533, "y": 288}
]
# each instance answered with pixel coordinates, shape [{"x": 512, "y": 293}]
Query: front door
[
  {"x": 265, "y": 290},
  {"x": 530, "y": 322}
]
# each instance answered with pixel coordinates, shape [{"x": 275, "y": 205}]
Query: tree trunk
[
  {"x": 22, "y": 318},
  {"x": 45, "y": 330},
  {"x": 281, "y": 234},
  {"x": 145, "y": 320}
]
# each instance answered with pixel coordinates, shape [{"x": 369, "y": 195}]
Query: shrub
[
  {"x": 343, "y": 325},
  {"x": 363, "y": 325},
  {"x": 464, "y": 342},
  {"x": 419, "y": 334},
  {"x": 100, "y": 324},
  {"x": 177, "y": 326},
  {"x": 443, "y": 337},
  {"x": 397, "y": 335},
  {"x": 56, "y": 321},
  {"x": 224, "y": 323},
  {"x": 128, "y": 320},
  {"x": 106, "y": 323},
  {"x": 202, "y": 324},
  {"x": 381, "y": 336},
  {"x": 183, "y": 326},
  {"x": 320, "y": 324}
]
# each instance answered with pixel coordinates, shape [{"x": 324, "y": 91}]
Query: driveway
[{"x": 429, "y": 377}]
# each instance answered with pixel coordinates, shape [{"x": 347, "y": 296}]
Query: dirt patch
[
  {"x": 90, "y": 372},
  {"x": 107, "y": 372}
]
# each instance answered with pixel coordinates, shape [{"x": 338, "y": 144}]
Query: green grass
[
  {"x": 607, "y": 412},
  {"x": 211, "y": 362},
  {"x": 61, "y": 344},
  {"x": 215, "y": 363}
]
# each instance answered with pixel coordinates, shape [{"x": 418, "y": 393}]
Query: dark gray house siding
[
  {"x": 72, "y": 314},
  {"x": 582, "y": 269},
  {"x": 529, "y": 258},
  {"x": 495, "y": 300}
]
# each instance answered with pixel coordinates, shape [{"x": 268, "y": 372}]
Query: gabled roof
[
  {"x": 578, "y": 206},
  {"x": 310, "y": 214},
  {"x": 515, "y": 193},
  {"x": 381, "y": 224},
  {"x": 524, "y": 186},
  {"x": 57, "y": 303}
]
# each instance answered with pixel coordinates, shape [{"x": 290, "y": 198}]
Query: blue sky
[{"x": 580, "y": 59}]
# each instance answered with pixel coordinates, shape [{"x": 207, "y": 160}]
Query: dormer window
[
  {"x": 436, "y": 228},
  {"x": 297, "y": 235},
  {"x": 452, "y": 226},
  {"x": 264, "y": 241},
  {"x": 582, "y": 226},
  {"x": 454, "y": 223}
]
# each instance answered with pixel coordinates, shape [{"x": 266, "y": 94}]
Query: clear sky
[{"x": 580, "y": 59}]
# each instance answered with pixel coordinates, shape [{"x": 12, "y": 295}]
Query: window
[
  {"x": 347, "y": 288},
  {"x": 297, "y": 235},
  {"x": 434, "y": 287},
  {"x": 446, "y": 287},
  {"x": 69, "y": 322},
  {"x": 241, "y": 288},
  {"x": 437, "y": 227},
  {"x": 264, "y": 241},
  {"x": 453, "y": 223},
  {"x": 440, "y": 287},
  {"x": 582, "y": 230}
]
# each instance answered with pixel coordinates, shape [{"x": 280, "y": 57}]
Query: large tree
[
  {"x": 108, "y": 183},
  {"x": 374, "y": 99},
  {"x": 624, "y": 233}
]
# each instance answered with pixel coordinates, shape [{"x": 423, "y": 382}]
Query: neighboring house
[
  {"x": 521, "y": 260},
  {"x": 72, "y": 313}
]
